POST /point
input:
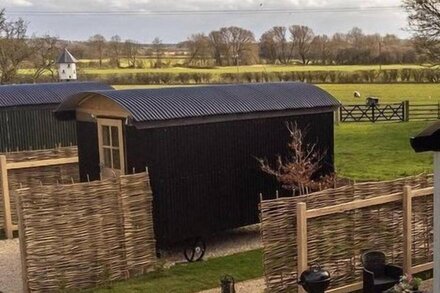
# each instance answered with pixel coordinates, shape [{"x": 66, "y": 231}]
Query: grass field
[
  {"x": 193, "y": 277},
  {"x": 241, "y": 69}
]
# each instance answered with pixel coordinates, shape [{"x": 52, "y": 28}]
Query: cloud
[
  {"x": 174, "y": 28},
  {"x": 18, "y": 3}
]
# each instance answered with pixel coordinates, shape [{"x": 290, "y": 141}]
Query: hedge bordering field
[{"x": 405, "y": 75}]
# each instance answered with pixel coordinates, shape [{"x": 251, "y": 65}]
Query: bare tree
[
  {"x": 218, "y": 46},
  {"x": 302, "y": 37},
  {"x": 424, "y": 21},
  {"x": 131, "y": 51},
  {"x": 275, "y": 41},
  {"x": 158, "y": 50},
  {"x": 116, "y": 48},
  {"x": 44, "y": 53},
  {"x": 238, "y": 43},
  {"x": 199, "y": 48},
  {"x": 300, "y": 171},
  {"x": 14, "y": 48},
  {"x": 98, "y": 43}
]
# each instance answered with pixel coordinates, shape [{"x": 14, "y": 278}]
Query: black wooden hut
[
  {"x": 200, "y": 145},
  {"x": 26, "y": 115}
]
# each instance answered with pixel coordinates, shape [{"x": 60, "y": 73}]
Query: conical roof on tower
[{"x": 66, "y": 57}]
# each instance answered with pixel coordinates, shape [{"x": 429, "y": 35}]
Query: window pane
[
  {"x": 116, "y": 160},
  {"x": 107, "y": 157},
  {"x": 105, "y": 135},
  {"x": 115, "y": 137}
]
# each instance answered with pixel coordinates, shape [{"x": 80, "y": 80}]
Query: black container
[
  {"x": 315, "y": 279},
  {"x": 227, "y": 284},
  {"x": 372, "y": 101}
]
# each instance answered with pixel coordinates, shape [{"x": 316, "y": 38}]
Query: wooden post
[
  {"x": 436, "y": 285},
  {"x": 406, "y": 111},
  {"x": 23, "y": 255},
  {"x": 407, "y": 228},
  {"x": 6, "y": 199},
  {"x": 301, "y": 239}
]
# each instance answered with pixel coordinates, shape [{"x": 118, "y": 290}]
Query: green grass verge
[
  {"x": 193, "y": 277},
  {"x": 379, "y": 151}
]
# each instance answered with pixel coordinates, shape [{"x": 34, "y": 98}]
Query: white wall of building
[{"x": 67, "y": 71}]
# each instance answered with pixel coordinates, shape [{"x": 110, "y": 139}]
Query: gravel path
[
  {"x": 10, "y": 267},
  {"x": 226, "y": 243}
]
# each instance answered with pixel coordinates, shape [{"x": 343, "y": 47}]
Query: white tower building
[{"x": 66, "y": 66}]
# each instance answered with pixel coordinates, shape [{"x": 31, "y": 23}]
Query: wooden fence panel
[
  {"x": 82, "y": 235},
  {"x": 373, "y": 113},
  {"x": 424, "y": 112},
  {"x": 32, "y": 169},
  {"x": 353, "y": 228}
]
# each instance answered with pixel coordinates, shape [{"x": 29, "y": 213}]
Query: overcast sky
[{"x": 175, "y": 28}]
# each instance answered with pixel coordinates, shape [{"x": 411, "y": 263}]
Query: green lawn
[
  {"x": 194, "y": 277},
  {"x": 378, "y": 151}
]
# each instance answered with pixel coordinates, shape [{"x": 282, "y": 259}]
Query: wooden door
[{"x": 111, "y": 147}]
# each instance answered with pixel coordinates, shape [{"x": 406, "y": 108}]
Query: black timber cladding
[
  {"x": 26, "y": 115},
  {"x": 152, "y": 105},
  {"x": 428, "y": 139},
  {"x": 204, "y": 176}
]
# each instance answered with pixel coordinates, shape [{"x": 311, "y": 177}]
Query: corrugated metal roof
[
  {"x": 66, "y": 57},
  {"x": 147, "y": 105},
  {"x": 44, "y": 93}
]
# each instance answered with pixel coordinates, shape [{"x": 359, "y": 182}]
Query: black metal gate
[{"x": 374, "y": 112}]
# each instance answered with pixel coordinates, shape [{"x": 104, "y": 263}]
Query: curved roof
[
  {"x": 44, "y": 93},
  {"x": 148, "y": 105}
]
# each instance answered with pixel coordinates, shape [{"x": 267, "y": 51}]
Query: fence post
[
  {"x": 21, "y": 235},
  {"x": 405, "y": 111},
  {"x": 438, "y": 110},
  {"x": 6, "y": 199},
  {"x": 301, "y": 239},
  {"x": 407, "y": 235}
]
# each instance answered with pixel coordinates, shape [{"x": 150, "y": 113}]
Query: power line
[{"x": 206, "y": 12}]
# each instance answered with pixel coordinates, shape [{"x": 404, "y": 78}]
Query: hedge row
[{"x": 363, "y": 76}]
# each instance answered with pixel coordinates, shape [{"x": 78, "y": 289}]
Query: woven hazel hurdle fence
[
  {"x": 334, "y": 227},
  {"x": 31, "y": 169},
  {"x": 86, "y": 234}
]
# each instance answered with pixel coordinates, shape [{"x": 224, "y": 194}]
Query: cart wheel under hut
[{"x": 195, "y": 250}]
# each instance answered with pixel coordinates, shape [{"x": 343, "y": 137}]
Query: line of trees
[
  {"x": 298, "y": 44},
  {"x": 232, "y": 46}
]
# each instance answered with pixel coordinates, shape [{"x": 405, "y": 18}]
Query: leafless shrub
[{"x": 299, "y": 171}]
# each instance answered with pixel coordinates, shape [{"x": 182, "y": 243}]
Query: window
[{"x": 111, "y": 147}]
